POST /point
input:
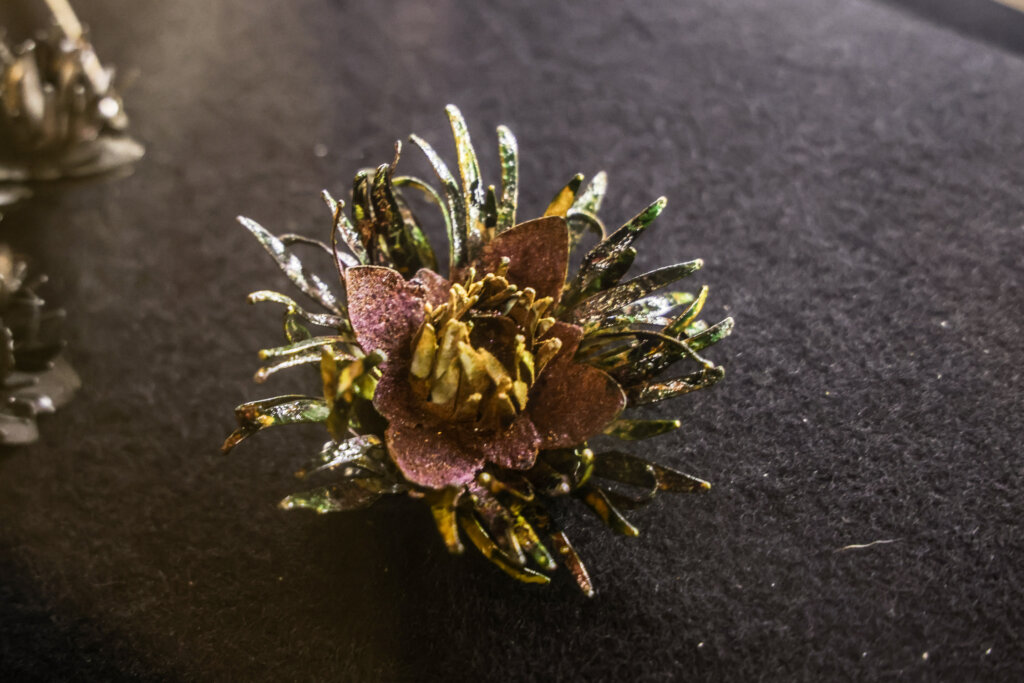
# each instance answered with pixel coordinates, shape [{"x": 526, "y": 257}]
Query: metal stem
[{"x": 65, "y": 18}]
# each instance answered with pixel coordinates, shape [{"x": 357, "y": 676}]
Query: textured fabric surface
[{"x": 852, "y": 176}]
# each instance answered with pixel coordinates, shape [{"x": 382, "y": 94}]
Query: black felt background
[{"x": 854, "y": 179}]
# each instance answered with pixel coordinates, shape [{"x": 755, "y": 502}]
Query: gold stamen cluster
[{"x": 486, "y": 383}]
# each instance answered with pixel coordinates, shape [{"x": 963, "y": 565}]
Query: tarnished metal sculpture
[
  {"x": 60, "y": 117},
  {"x": 34, "y": 377},
  {"x": 60, "y": 114},
  {"x": 478, "y": 392}
]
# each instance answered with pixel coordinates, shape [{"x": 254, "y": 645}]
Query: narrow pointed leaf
[
  {"x": 581, "y": 222},
  {"x": 532, "y": 545},
  {"x": 655, "y": 306},
  {"x": 654, "y": 353},
  {"x": 630, "y": 470},
  {"x": 457, "y": 210},
  {"x": 476, "y": 533},
  {"x": 415, "y": 238},
  {"x": 678, "y": 482},
  {"x": 712, "y": 335},
  {"x": 280, "y": 410},
  {"x": 589, "y": 201},
  {"x": 500, "y": 524},
  {"x": 651, "y": 392},
  {"x": 563, "y": 201},
  {"x": 431, "y": 195},
  {"x": 344, "y": 229},
  {"x": 333, "y": 498},
  {"x": 508, "y": 153},
  {"x": 678, "y": 326},
  {"x": 472, "y": 186},
  {"x": 597, "y": 501},
  {"x": 610, "y": 299},
  {"x": 393, "y": 240},
  {"x": 603, "y": 255},
  {"x": 324, "y": 320},
  {"x": 307, "y": 282},
  {"x": 618, "y": 266},
  {"x": 633, "y": 430},
  {"x": 443, "y": 507},
  {"x": 567, "y": 554},
  {"x": 362, "y": 215},
  {"x": 304, "y": 345},
  {"x": 359, "y": 450},
  {"x": 291, "y": 361}
]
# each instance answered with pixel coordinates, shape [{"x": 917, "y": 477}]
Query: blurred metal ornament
[
  {"x": 35, "y": 378},
  {"x": 478, "y": 391},
  {"x": 60, "y": 114}
]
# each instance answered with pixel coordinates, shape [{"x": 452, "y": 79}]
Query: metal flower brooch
[{"x": 478, "y": 392}]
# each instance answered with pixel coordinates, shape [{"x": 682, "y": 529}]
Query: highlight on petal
[
  {"x": 433, "y": 287},
  {"x": 384, "y": 309},
  {"x": 428, "y": 456},
  {"x": 538, "y": 252},
  {"x": 573, "y": 403}
]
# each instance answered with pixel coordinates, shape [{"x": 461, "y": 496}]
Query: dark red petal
[
  {"x": 384, "y": 309},
  {"x": 571, "y": 336},
  {"x": 539, "y": 255},
  {"x": 573, "y": 402},
  {"x": 428, "y": 456},
  {"x": 433, "y": 287},
  {"x": 515, "y": 448},
  {"x": 393, "y": 396}
]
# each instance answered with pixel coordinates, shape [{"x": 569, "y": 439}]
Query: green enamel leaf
[
  {"x": 678, "y": 326},
  {"x": 294, "y": 330},
  {"x": 444, "y": 508},
  {"x": 656, "y": 306},
  {"x": 711, "y": 335},
  {"x": 457, "y": 211},
  {"x": 604, "y": 254},
  {"x": 589, "y": 201},
  {"x": 532, "y": 545},
  {"x": 472, "y": 186},
  {"x": 508, "y": 154},
  {"x": 310, "y": 285},
  {"x": 611, "y": 299},
  {"x": 629, "y": 470},
  {"x": 415, "y": 238},
  {"x": 333, "y": 498},
  {"x": 618, "y": 266},
  {"x": 305, "y": 345},
  {"x": 598, "y": 501},
  {"x": 678, "y": 482},
  {"x": 571, "y": 559},
  {"x": 563, "y": 201},
  {"x": 632, "y": 430},
  {"x": 487, "y": 547},
  {"x": 272, "y": 412},
  {"x": 581, "y": 222},
  {"x": 322, "y": 319},
  {"x": 344, "y": 229},
  {"x": 651, "y": 392},
  {"x": 361, "y": 451},
  {"x": 399, "y": 236},
  {"x": 294, "y": 360}
]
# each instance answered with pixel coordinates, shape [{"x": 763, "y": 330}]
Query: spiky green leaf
[{"x": 310, "y": 285}]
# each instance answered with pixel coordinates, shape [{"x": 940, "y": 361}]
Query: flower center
[{"x": 476, "y": 356}]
